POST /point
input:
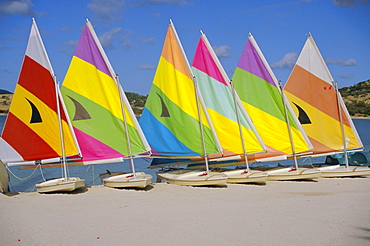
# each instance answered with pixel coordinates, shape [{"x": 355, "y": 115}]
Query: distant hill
[
  {"x": 137, "y": 102},
  {"x": 356, "y": 98},
  {"x": 4, "y": 92},
  {"x": 5, "y": 100}
]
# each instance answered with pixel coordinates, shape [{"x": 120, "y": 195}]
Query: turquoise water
[{"x": 26, "y": 179}]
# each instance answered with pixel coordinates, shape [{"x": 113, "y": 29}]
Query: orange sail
[{"x": 315, "y": 101}]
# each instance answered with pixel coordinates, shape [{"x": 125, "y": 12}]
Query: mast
[
  {"x": 341, "y": 124},
  {"x": 126, "y": 129},
  {"x": 61, "y": 135},
  {"x": 57, "y": 97},
  {"x": 240, "y": 128},
  {"x": 288, "y": 125},
  {"x": 197, "y": 93}
]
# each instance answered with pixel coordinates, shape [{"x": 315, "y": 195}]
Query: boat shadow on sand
[
  {"x": 296, "y": 180},
  {"x": 77, "y": 191},
  {"x": 80, "y": 190},
  {"x": 147, "y": 188}
]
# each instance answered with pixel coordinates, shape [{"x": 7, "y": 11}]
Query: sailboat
[
  {"x": 37, "y": 128},
  {"x": 4, "y": 178},
  {"x": 267, "y": 106},
  {"x": 235, "y": 131},
  {"x": 105, "y": 126},
  {"x": 322, "y": 112},
  {"x": 175, "y": 120}
]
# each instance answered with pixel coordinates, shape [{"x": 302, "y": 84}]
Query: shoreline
[{"x": 356, "y": 117}]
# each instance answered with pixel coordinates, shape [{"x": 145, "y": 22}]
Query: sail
[
  {"x": 228, "y": 121},
  {"x": 170, "y": 119},
  {"x": 97, "y": 105},
  {"x": 314, "y": 99},
  {"x": 260, "y": 93},
  {"x": 32, "y": 130}
]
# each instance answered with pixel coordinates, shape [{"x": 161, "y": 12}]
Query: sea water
[{"x": 25, "y": 180}]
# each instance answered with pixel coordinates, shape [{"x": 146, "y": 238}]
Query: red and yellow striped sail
[
  {"x": 32, "y": 127},
  {"x": 315, "y": 101}
]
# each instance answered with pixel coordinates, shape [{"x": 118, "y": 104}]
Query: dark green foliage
[
  {"x": 137, "y": 102},
  {"x": 5, "y": 92},
  {"x": 357, "y": 98}
]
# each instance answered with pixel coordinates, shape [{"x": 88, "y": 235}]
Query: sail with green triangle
[
  {"x": 234, "y": 129},
  {"x": 261, "y": 95},
  {"x": 171, "y": 118},
  {"x": 103, "y": 121}
]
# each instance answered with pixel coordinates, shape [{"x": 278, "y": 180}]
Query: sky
[{"x": 132, "y": 33}]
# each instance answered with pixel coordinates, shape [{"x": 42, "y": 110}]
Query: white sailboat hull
[
  {"x": 127, "y": 180},
  {"x": 240, "y": 176},
  {"x": 342, "y": 171},
  {"x": 60, "y": 185},
  {"x": 4, "y": 178},
  {"x": 293, "y": 174},
  {"x": 193, "y": 178}
]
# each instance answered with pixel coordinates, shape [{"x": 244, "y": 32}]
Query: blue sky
[{"x": 132, "y": 33}]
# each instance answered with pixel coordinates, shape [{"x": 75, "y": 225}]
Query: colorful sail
[
  {"x": 97, "y": 105},
  {"x": 170, "y": 118},
  {"x": 32, "y": 130},
  {"x": 261, "y": 95},
  {"x": 314, "y": 99},
  {"x": 228, "y": 121}
]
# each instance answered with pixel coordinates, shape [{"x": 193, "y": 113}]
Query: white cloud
[
  {"x": 145, "y": 67},
  {"x": 222, "y": 51},
  {"x": 18, "y": 7},
  {"x": 157, "y": 15},
  {"x": 127, "y": 44},
  {"x": 4, "y": 70},
  {"x": 349, "y": 62},
  {"x": 107, "y": 10},
  {"x": 145, "y": 40},
  {"x": 72, "y": 43},
  {"x": 145, "y": 3},
  {"x": 346, "y": 76},
  {"x": 288, "y": 61},
  {"x": 106, "y": 39},
  {"x": 65, "y": 29},
  {"x": 348, "y": 3}
]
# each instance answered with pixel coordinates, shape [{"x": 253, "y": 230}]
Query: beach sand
[{"x": 328, "y": 212}]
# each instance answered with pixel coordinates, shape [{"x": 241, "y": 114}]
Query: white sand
[{"x": 328, "y": 212}]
